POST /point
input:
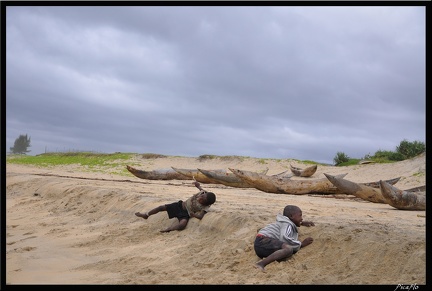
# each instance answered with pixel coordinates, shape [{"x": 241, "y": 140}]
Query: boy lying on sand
[
  {"x": 196, "y": 206},
  {"x": 279, "y": 240}
]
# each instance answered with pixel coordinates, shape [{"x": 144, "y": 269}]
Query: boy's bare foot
[
  {"x": 165, "y": 230},
  {"x": 259, "y": 267},
  {"x": 143, "y": 215}
]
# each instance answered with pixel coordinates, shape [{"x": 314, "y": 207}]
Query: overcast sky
[{"x": 266, "y": 82}]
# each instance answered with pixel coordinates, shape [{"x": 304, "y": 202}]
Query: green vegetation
[
  {"x": 419, "y": 174},
  {"x": 99, "y": 161},
  {"x": 350, "y": 162},
  {"x": 206, "y": 157},
  {"x": 152, "y": 156},
  {"x": 21, "y": 144},
  {"x": 410, "y": 149},
  {"x": 230, "y": 158},
  {"x": 405, "y": 150},
  {"x": 340, "y": 158},
  {"x": 87, "y": 159},
  {"x": 309, "y": 162},
  {"x": 381, "y": 156},
  {"x": 223, "y": 158}
]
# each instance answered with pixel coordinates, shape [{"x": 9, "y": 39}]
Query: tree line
[{"x": 405, "y": 150}]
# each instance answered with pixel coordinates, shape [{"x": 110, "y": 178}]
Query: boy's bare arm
[
  {"x": 199, "y": 215},
  {"x": 307, "y": 223},
  {"x": 198, "y": 185},
  {"x": 307, "y": 241}
]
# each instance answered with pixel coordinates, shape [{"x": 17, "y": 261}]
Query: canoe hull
[
  {"x": 359, "y": 190},
  {"x": 230, "y": 179},
  {"x": 402, "y": 199},
  {"x": 194, "y": 174},
  {"x": 284, "y": 185},
  {"x": 306, "y": 172},
  {"x": 161, "y": 174},
  {"x": 227, "y": 179}
]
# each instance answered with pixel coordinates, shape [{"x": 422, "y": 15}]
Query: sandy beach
[{"x": 72, "y": 225}]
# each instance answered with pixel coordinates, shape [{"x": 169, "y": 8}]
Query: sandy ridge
[{"x": 80, "y": 229}]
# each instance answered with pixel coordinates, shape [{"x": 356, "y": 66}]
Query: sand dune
[{"x": 67, "y": 225}]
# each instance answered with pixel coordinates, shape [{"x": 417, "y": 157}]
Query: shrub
[
  {"x": 410, "y": 149},
  {"x": 152, "y": 156},
  {"x": 340, "y": 158},
  {"x": 21, "y": 144},
  {"x": 381, "y": 156}
]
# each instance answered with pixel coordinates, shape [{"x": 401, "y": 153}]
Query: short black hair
[
  {"x": 289, "y": 210},
  {"x": 211, "y": 198}
]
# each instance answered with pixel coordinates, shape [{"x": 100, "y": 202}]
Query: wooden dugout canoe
[
  {"x": 377, "y": 183},
  {"x": 362, "y": 191},
  {"x": 229, "y": 179},
  {"x": 417, "y": 189},
  {"x": 192, "y": 174},
  {"x": 306, "y": 172},
  {"x": 283, "y": 185},
  {"x": 403, "y": 199},
  {"x": 159, "y": 174}
]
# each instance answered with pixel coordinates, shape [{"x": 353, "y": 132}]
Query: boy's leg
[
  {"x": 276, "y": 256},
  {"x": 151, "y": 212},
  {"x": 270, "y": 250},
  {"x": 177, "y": 225}
]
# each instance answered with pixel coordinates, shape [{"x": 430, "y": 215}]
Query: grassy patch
[
  {"x": 308, "y": 162},
  {"x": 206, "y": 157},
  {"x": 152, "y": 156},
  {"x": 86, "y": 159},
  {"x": 419, "y": 174},
  {"x": 222, "y": 158},
  {"x": 352, "y": 162}
]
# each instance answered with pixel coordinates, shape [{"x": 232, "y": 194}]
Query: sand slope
[{"x": 66, "y": 225}]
